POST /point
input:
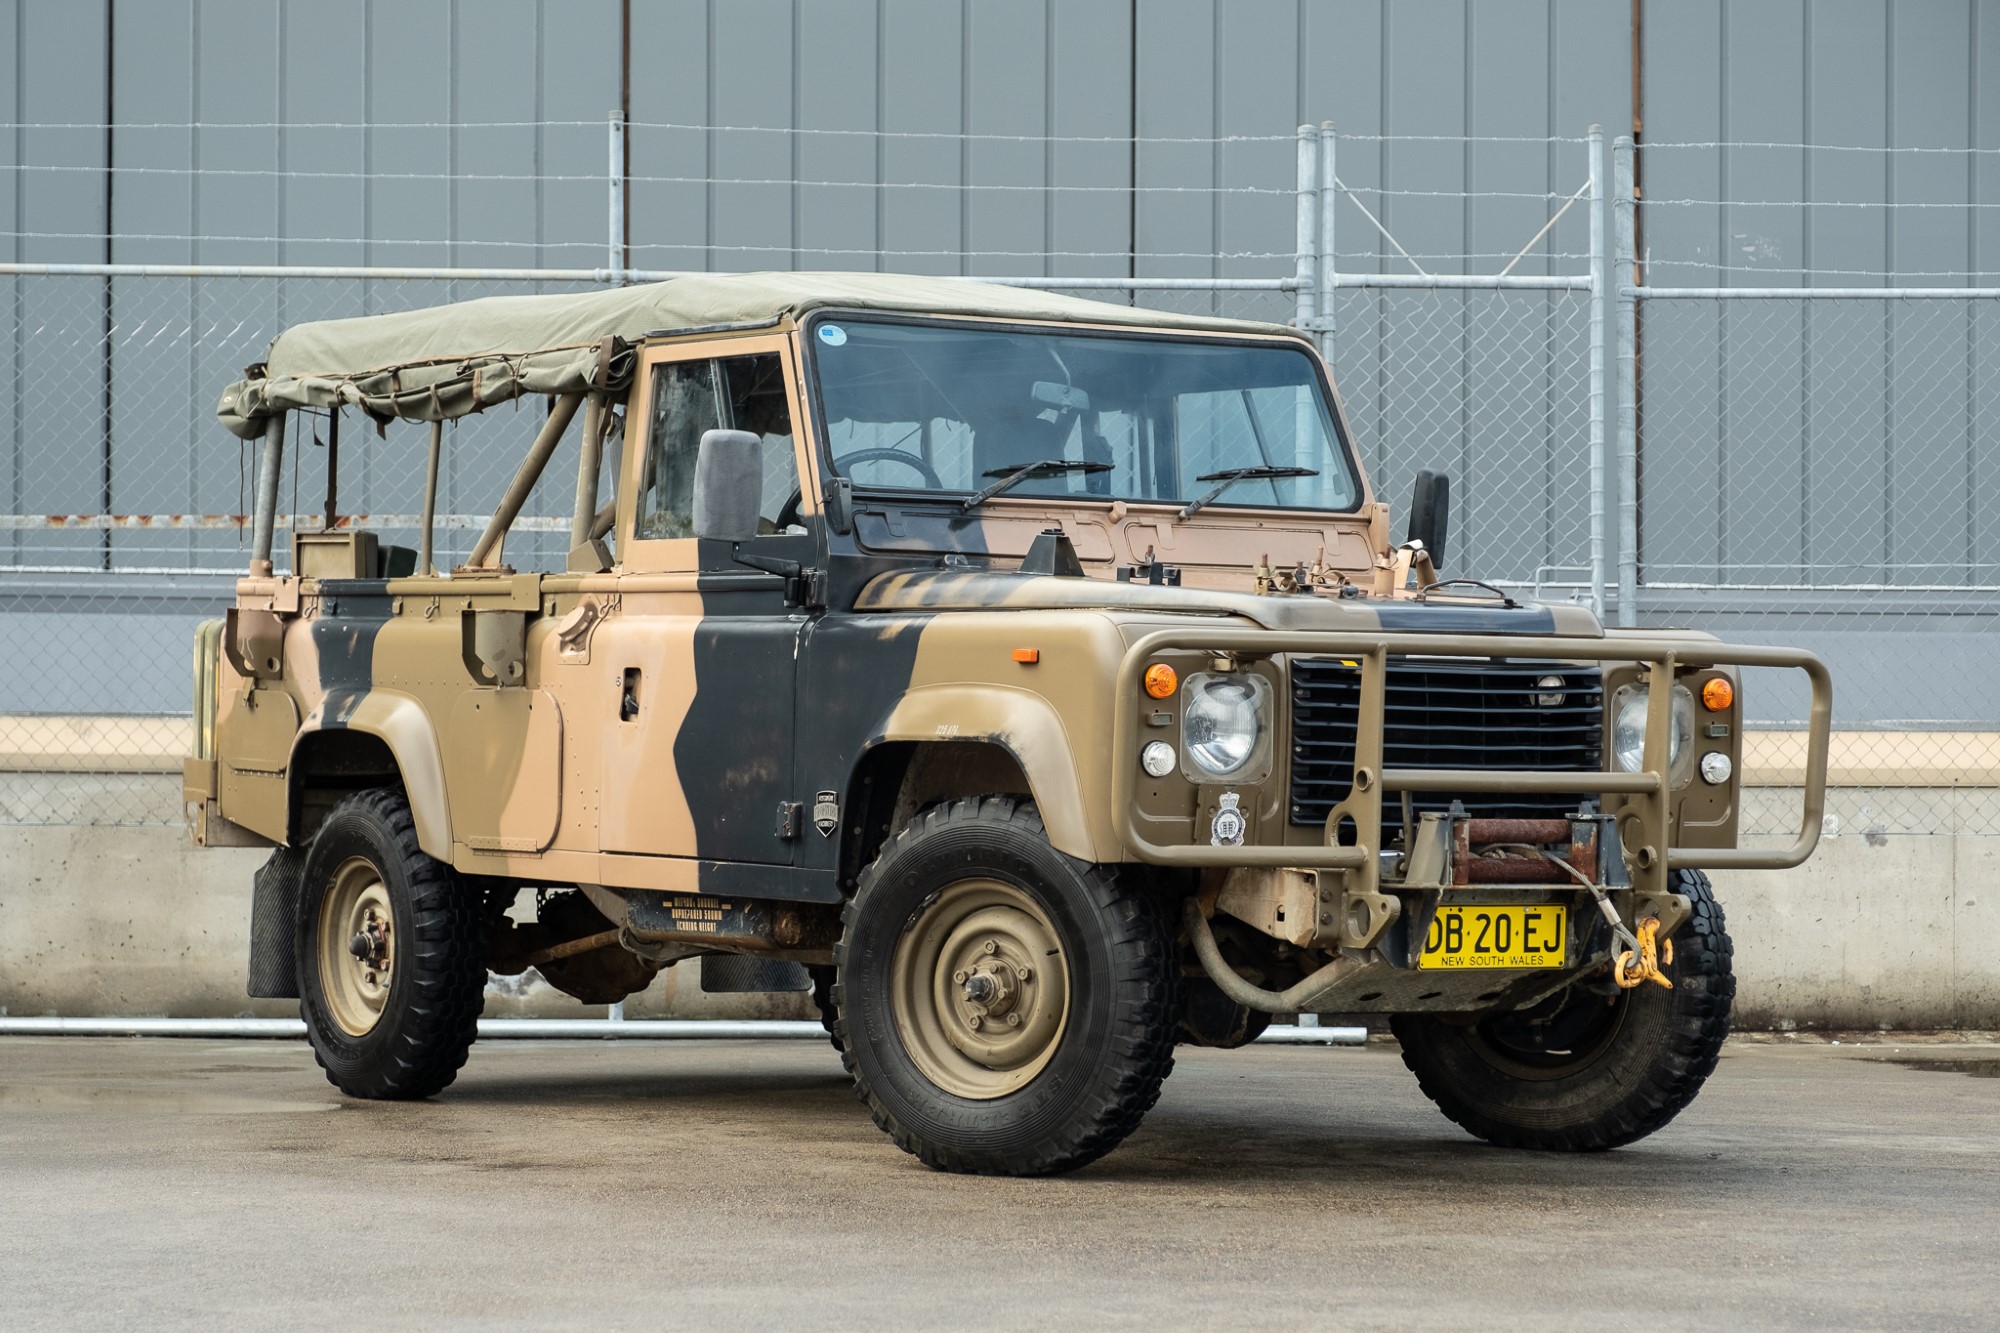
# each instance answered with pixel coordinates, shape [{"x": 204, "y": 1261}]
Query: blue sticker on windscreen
[{"x": 832, "y": 335}]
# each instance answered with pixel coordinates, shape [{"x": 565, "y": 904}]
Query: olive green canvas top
[{"x": 447, "y": 361}]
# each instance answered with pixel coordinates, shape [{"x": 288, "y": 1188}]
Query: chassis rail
[{"x": 1649, "y": 787}]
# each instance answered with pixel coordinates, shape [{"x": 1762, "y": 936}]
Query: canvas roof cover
[{"x": 447, "y": 361}]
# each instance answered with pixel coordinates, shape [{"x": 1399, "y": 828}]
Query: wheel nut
[
  {"x": 1013, "y": 1020},
  {"x": 991, "y": 947},
  {"x": 959, "y": 976},
  {"x": 974, "y": 1022},
  {"x": 1025, "y": 973}
]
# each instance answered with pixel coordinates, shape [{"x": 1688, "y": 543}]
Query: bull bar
[{"x": 1651, "y": 785}]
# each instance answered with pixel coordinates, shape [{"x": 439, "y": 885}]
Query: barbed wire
[
  {"x": 1455, "y": 138},
  {"x": 801, "y": 131},
  {"x": 1649, "y": 146},
  {"x": 1809, "y": 203},
  {"x": 599, "y": 178},
  {"x": 597, "y": 245}
]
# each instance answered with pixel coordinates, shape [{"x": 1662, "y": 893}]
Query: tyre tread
[
  {"x": 1144, "y": 1027},
  {"x": 1697, "y": 1029},
  {"x": 429, "y": 1045}
]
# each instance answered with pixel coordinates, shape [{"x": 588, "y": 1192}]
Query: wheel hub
[
  {"x": 980, "y": 995},
  {"x": 357, "y": 946}
]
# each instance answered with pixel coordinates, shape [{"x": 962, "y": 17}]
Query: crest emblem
[
  {"x": 826, "y": 813},
  {"x": 1226, "y": 829}
]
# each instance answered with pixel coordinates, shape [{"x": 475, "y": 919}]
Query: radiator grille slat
[{"x": 1447, "y": 714}]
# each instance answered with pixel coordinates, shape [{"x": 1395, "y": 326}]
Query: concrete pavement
[{"x": 196, "y": 1183}]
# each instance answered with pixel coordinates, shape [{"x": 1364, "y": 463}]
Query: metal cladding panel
[{"x": 1833, "y": 442}]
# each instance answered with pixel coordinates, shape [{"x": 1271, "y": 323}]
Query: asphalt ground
[{"x": 175, "y": 1183}]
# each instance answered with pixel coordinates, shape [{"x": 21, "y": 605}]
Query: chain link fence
[
  {"x": 1801, "y": 465},
  {"x": 126, "y": 504},
  {"x": 1814, "y": 449}
]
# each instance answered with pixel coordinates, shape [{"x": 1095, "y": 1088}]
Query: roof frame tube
[
  {"x": 524, "y": 480},
  {"x": 264, "y": 522}
]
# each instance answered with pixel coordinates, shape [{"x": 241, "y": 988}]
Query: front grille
[{"x": 1447, "y": 714}]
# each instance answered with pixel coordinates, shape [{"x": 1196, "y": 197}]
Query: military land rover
[{"x": 1037, "y": 677}]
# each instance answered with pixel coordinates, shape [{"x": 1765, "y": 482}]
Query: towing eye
[
  {"x": 1640, "y": 961},
  {"x": 1629, "y": 974}
]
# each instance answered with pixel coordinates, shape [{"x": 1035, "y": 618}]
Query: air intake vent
[{"x": 1448, "y": 714}]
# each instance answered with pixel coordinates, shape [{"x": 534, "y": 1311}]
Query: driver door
[{"x": 700, "y": 661}]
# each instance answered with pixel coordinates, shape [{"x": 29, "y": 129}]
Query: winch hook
[{"x": 1630, "y": 972}]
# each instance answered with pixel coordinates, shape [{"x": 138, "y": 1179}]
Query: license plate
[{"x": 1486, "y": 936}]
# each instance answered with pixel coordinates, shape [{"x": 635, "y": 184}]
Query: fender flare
[
  {"x": 1026, "y": 726},
  {"x": 400, "y": 723}
]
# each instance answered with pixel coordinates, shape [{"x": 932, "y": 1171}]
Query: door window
[{"x": 690, "y": 398}]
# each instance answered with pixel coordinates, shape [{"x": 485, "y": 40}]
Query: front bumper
[{"x": 1639, "y": 799}]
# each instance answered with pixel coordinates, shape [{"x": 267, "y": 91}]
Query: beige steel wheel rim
[
  {"x": 979, "y": 989},
  {"x": 357, "y": 946}
]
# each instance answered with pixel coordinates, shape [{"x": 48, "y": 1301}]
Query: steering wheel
[
  {"x": 788, "y": 514},
  {"x": 930, "y": 476}
]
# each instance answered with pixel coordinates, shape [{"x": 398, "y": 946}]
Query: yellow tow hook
[{"x": 1653, "y": 951}]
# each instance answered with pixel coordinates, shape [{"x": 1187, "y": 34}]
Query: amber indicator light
[
  {"x": 1717, "y": 695},
  {"x": 1027, "y": 656},
  {"x": 1161, "y": 681}
]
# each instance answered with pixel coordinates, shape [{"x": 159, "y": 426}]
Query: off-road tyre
[
  {"x": 1633, "y": 1070},
  {"x": 822, "y": 979},
  {"x": 1114, "y": 1048},
  {"x": 429, "y": 1013}
]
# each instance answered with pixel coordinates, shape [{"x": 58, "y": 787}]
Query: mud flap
[
  {"x": 274, "y": 915},
  {"x": 735, "y": 973}
]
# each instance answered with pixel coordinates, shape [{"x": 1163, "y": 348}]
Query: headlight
[
  {"x": 1222, "y": 724},
  {"x": 1628, "y": 731}
]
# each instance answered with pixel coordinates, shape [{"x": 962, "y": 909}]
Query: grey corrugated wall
[{"x": 399, "y": 190}]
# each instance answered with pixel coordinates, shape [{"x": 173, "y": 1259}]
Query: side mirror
[
  {"x": 1430, "y": 514},
  {"x": 728, "y": 485}
]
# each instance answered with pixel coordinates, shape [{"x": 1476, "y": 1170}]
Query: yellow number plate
[{"x": 1486, "y": 936}]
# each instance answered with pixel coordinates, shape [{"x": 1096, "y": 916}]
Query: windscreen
[{"x": 950, "y": 408}]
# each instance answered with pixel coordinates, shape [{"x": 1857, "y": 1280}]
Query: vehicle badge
[
  {"x": 1226, "y": 829},
  {"x": 826, "y": 814}
]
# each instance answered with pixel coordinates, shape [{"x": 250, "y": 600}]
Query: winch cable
[{"x": 1644, "y": 952}]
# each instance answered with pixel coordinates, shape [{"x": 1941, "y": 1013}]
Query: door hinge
[{"x": 790, "y": 817}]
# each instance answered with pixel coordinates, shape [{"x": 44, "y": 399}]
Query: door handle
[{"x": 628, "y": 696}]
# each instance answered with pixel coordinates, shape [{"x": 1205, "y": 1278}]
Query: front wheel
[
  {"x": 1003, "y": 1009},
  {"x": 1584, "y": 1071},
  {"x": 390, "y": 949}
]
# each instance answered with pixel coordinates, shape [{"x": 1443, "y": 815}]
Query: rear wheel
[
  {"x": 1584, "y": 1071},
  {"x": 390, "y": 947},
  {"x": 1003, "y": 1009}
]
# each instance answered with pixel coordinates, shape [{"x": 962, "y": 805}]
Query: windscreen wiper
[
  {"x": 1236, "y": 474},
  {"x": 1012, "y": 477}
]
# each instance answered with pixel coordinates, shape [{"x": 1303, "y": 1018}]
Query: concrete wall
[
  {"x": 132, "y": 921},
  {"x": 1875, "y": 931}
]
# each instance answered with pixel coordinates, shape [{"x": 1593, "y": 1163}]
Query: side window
[{"x": 691, "y": 398}]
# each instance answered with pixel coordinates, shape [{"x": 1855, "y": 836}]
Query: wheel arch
[
  {"x": 899, "y": 773},
  {"x": 382, "y": 736}
]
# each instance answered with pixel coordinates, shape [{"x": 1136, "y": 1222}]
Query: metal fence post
[
  {"x": 1329, "y": 195},
  {"x": 616, "y": 178},
  {"x": 1600, "y": 295},
  {"x": 1305, "y": 295},
  {"x": 1624, "y": 274}
]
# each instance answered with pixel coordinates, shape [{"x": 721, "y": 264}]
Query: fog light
[
  {"x": 1554, "y": 700},
  {"x": 1716, "y": 768},
  {"x": 1158, "y": 758}
]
